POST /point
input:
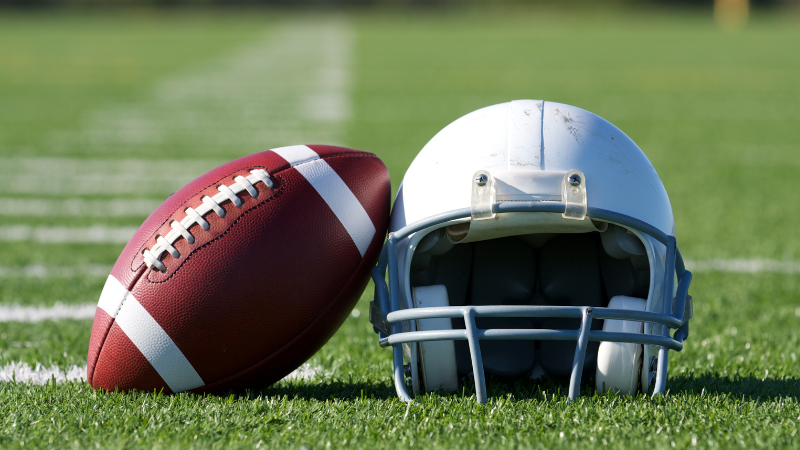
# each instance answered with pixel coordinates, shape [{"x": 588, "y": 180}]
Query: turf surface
[{"x": 716, "y": 112}]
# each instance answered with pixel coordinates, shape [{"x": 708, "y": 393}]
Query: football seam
[
  {"x": 145, "y": 246},
  {"x": 335, "y": 156},
  {"x": 276, "y": 193}
]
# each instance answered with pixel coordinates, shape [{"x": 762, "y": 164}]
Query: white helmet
[{"x": 540, "y": 225}]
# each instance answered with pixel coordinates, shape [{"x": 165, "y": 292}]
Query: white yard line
[
  {"x": 47, "y": 271},
  {"x": 755, "y": 265},
  {"x": 97, "y": 234},
  {"x": 305, "y": 372},
  {"x": 77, "y": 207},
  {"x": 59, "y": 311},
  {"x": 39, "y": 375}
]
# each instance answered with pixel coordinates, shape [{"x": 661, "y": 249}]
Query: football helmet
[{"x": 531, "y": 239}]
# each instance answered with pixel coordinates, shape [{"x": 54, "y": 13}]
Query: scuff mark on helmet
[{"x": 572, "y": 127}]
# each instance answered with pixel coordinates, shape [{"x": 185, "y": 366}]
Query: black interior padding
[
  {"x": 503, "y": 272},
  {"x": 564, "y": 270},
  {"x": 421, "y": 270},
  {"x": 569, "y": 275},
  {"x": 569, "y": 271},
  {"x": 621, "y": 277},
  {"x": 453, "y": 271},
  {"x": 507, "y": 359},
  {"x": 557, "y": 356}
]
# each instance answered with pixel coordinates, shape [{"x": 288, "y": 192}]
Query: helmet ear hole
[{"x": 437, "y": 358}]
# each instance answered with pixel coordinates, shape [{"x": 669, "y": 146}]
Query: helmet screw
[
  {"x": 481, "y": 179},
  {"x": 575, "y": 179}
]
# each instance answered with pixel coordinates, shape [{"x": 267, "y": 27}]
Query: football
[{"x": 243, "y": 274}]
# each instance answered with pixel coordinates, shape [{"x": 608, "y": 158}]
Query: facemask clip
[
  {"x": 574, "y": 195},
  {"x": 483, "y": 195}
]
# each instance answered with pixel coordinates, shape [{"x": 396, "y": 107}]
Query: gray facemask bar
[{"x": 675, "y": 313}]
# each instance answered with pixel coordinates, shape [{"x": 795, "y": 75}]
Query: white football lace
[{"x": 152, "y": 258}]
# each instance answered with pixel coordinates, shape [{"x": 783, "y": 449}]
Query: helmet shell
[{"x": 526, "y": 135}]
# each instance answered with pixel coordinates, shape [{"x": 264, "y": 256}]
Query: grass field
[{"x": 101, "y": 110}]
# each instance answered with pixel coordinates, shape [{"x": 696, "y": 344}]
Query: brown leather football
[{"x": 243, "y": 274}]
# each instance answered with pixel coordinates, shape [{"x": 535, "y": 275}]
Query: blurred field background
[{"x": 105, "y": 109}]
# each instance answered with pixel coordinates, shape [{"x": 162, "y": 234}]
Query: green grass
[
  {"x": 320, "y": 417},
  {"x": 79, "y": 289},
  {"x": 62, "y": 343},
  {"x": 716, "y": 112},
  {"x": 57, "y": 68}
]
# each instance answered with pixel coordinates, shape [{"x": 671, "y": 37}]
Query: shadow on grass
[
  {"x": 350, "y": 390},
  {"x": 739, "y": 387},
  {"x": 746, "y": 387},
  {"x": 328, "y": 390}
]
